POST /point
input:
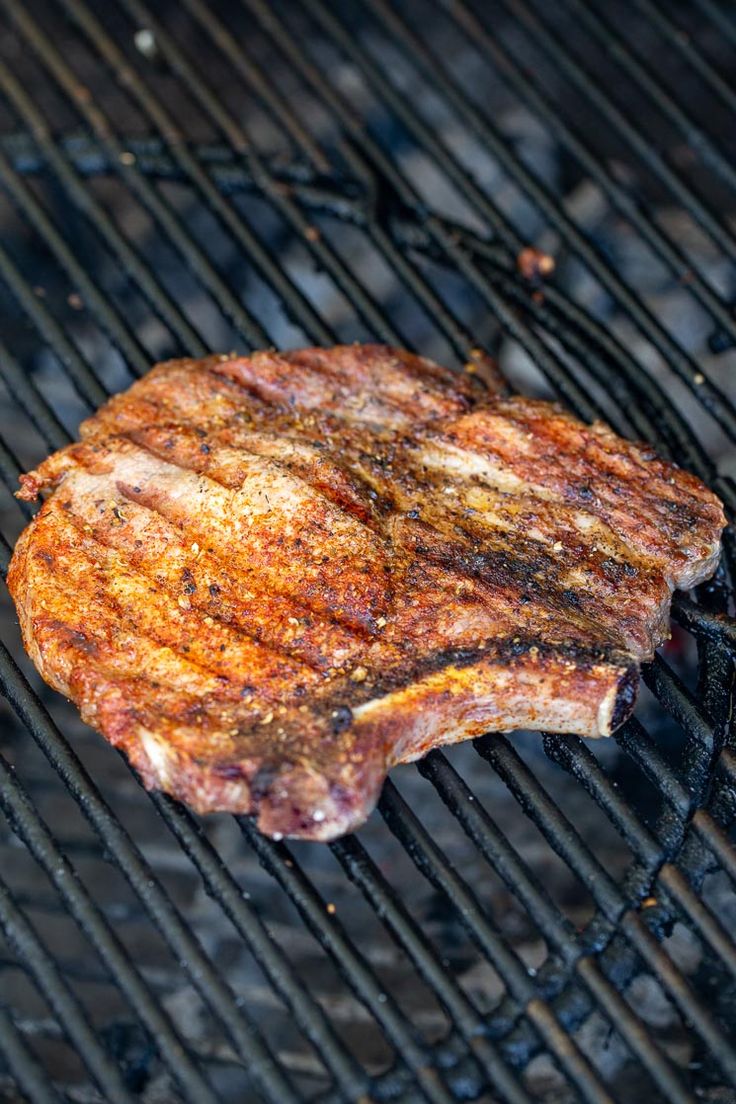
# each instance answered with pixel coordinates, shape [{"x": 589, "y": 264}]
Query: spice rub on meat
[{"x": 270, "y": 578}]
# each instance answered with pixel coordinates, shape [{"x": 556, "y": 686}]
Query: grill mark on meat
[
  {"x": 69, "y": 635},
  {"x": 169, "y": 738},
  {"x": 506, "y": 650},
  {"x": 173, "y": 392},
  {"x": 341, "y": 486},
  {"x": 517, "y": 600},
  {"x": 506, "y": 457},
  {"x": 184, "y": 406},
  {"x": 276, "y": 627},
  {"x": 340, "y": 581},
  {"x": 564, "y": 557},
  {"x": 447, "y": 609},
  {"x": 167, "y": 707},
  {"x": 508, "y": 440},
  {"x": 214, "y": 597},
  {"x": 163, "y": 616},
  {"x": 222, "y": 457},
  {"x": 319, "y": 556},
  {"x": 412, "y": 389},
  {"x": 66, "y": 628},
  {"x": 486, "y": 524},
  {"x": 611, "y": 459},
  {"x": 495, "y": 567}
]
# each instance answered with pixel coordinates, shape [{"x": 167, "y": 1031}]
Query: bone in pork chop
[{"x": 268, "y": 579}]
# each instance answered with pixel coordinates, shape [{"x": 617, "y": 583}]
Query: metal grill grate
[{"x": 216, "y": 175}]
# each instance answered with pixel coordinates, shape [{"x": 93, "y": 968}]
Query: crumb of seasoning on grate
[
  {"x": 535, "y": 265},
  {"x": 331, "y": 908},
  {"x": 649, "y": 902},
  {"x": 75, "y": 301}
]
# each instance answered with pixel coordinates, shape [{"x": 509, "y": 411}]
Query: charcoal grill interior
[{"x": 527, "y": 919}]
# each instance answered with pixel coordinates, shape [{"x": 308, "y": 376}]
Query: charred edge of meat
[
  {"x": 504, "y": 652},
  {"x": 628, "y": 689}
]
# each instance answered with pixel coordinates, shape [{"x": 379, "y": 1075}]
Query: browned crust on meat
[{"x": 268, "y": 579}]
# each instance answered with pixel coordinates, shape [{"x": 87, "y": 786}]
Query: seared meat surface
[{"x": 270, "y": 578}]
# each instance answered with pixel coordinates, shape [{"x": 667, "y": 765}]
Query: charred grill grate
[{"x": 214, "y": 175}]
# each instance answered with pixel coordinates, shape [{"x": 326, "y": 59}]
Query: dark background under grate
[{"x": 526, "y": 920}]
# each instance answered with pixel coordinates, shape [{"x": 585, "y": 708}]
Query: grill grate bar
[
  {"x": 551, "y": 42},
  {"x": 214, "y": 992},
  {"x": 300, "y": 309},
  {"x": 432, "y": 863},
  {"x": 605, "y": 361},
  {"x": 714, "y": 626},
  {"x": 85, "y": 382},
  {"x": 361, "y": 870},
  {"x": 515, "y": 327},
  {"x": 54, "y": 989},
  {"x": 635, "y": 741},
  {"x": 9, "y": 470},
  {"x": 718, "y": 17},
  {"x": 678, "y": 701},
  {"x": 716, "y": 402},
  {"x": 697, "y": 138},
  {"x": 575, "y": 757},
  {"x": 523, "y": 334},
  {"x": 25, "y": 1069},
  {"x": 385, "y": 178},
  {"x": 88, "y": 159},
  {"x": 661, "y": 243},
  {"x": 481, "y": 828},
  {"x": 278, "y": 861},
  {"x": 225, "y": 890},
  {"x": 511, "y": 325},
  {"x": 568, "y": 754},
  {"x": 685, "y": 47},
  {"x": 679, "y": 265},
  {"x": 34, "y": 405},
  {"x": 152, "y": 201},
  {"x": 529, "y": 89},
  {"x": 281, "y": 36},
  {"x": 82, "y": 198},
  {"x": 259, "y": 83},
  {"x": 716, "y": 839},
  {"x": 39, "y": 841},
  {"x": 119, "y": 333},
  {"x": 565, "y": 840}
]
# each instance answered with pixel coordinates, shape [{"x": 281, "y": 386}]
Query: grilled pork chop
[{"x": 268, "y": 579}]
